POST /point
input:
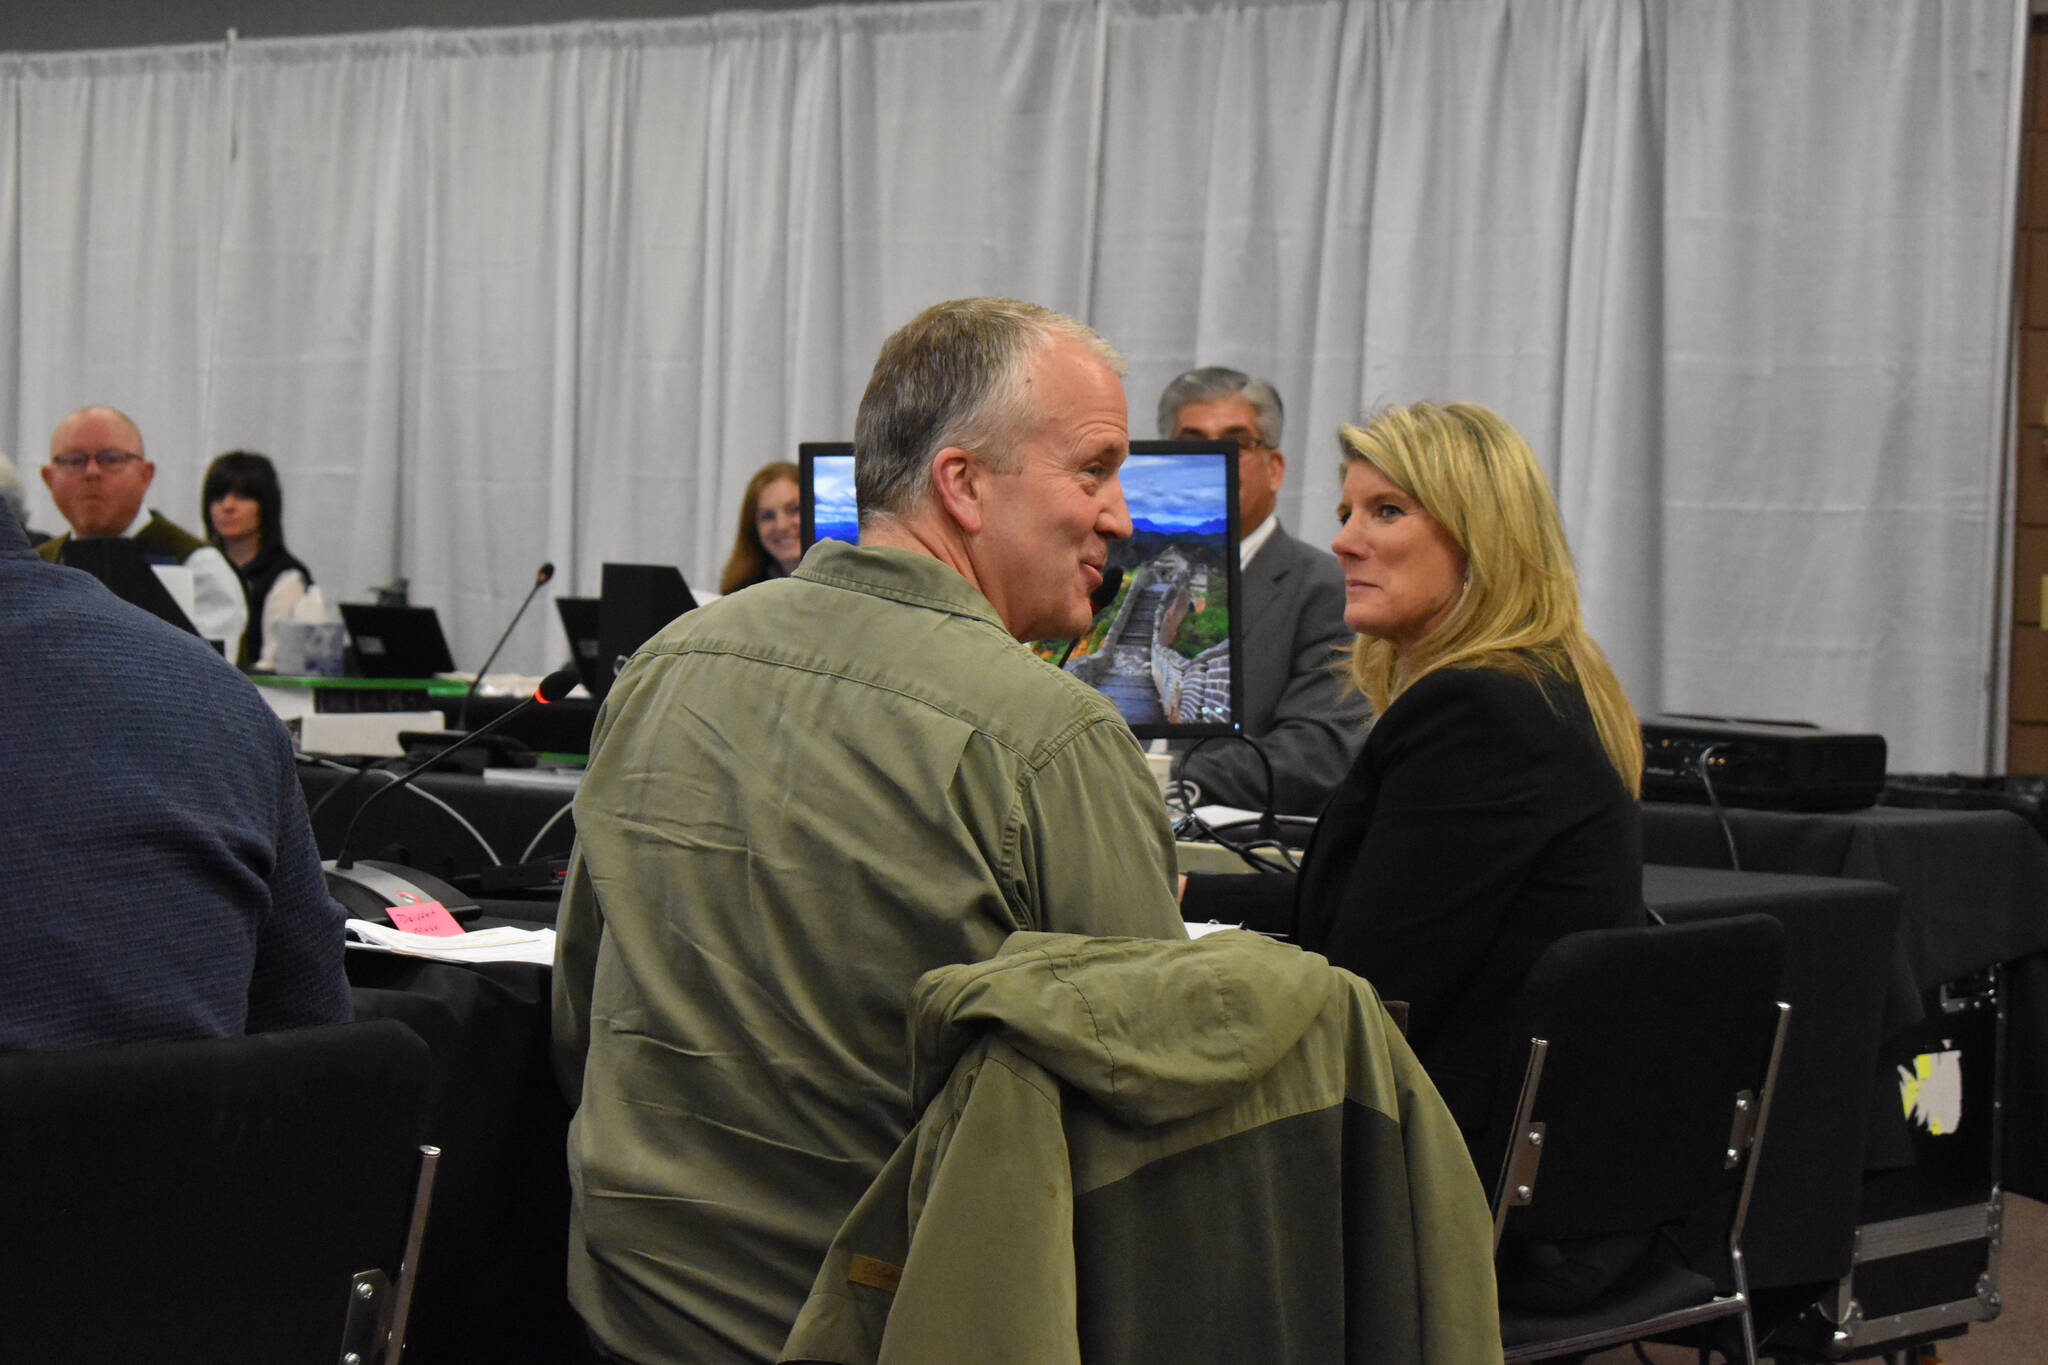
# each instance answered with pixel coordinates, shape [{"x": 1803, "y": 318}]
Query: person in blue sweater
[{"x": 162, "y": 880}]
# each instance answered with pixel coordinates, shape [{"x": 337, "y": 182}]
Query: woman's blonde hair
[{"x": 1519, "y": 611}]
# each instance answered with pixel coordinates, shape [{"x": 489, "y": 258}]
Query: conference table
[{"x": 1879, "y": 906}]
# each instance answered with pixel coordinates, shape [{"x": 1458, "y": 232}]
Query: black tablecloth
[
  {"x": 409, "y": 827},
  {"x": 492, "y": 1286},
  {"x": 1973, "y": 885},
  {"x": 1973, "y": 892}
]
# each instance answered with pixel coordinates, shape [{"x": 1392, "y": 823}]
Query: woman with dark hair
[
  {"x": 244, "y": 511},
  {"x": 770, "y": 538}
]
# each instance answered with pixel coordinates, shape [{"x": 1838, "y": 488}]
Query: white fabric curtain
[
  {"x": 1836, "y": 295},
  {"x": 1737, "y": 268}
]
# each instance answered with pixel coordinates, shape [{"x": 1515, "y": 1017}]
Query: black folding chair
[
  {"x": 255, "y": 1199},
  {"x": 1652, "y": 1057}
]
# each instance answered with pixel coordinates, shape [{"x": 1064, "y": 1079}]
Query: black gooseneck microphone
[
  {"x": 365, "y": 889},
  {"x": 1098, "y": 602},
  {"x": 553, "y": 688},
  {"x": 540, "y": 580}
]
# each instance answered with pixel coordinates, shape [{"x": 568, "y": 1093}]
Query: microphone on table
[
  {"x": 540, "y": 580},
  {"x": 1098, "y": 602},
  {"x": 368, "y": 887}
]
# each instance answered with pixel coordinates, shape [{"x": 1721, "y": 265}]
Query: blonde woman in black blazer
[{"x": 1493, "y": 808}]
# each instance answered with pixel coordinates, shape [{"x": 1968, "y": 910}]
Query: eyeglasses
[
  {"x": 1247, "y": 441},
  {"x": 109, "y": 461}
]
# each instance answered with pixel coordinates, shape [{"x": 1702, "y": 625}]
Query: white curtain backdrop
[{"x": 1739, "y": 269}]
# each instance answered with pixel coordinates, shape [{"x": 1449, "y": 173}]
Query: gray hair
[
  {"x": 1212, "y": 382},
  {"x": 12, "y": 495},
  {"x": 954, "y": 375}
]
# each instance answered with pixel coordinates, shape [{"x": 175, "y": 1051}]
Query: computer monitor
[
  {"x": 397, "y": 642},
  {"x": 1165, "y": 650},
  {"x": 581, "y": 618},
  {"x": 825, "y": 490}
]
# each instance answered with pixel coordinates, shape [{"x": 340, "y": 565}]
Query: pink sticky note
[{"x": 425, "y": 917}]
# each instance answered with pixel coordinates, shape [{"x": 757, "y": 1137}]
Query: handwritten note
[{"x": 425, "y": 917}]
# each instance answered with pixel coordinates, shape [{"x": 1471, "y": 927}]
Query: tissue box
[{"x": 307, "y": 649}]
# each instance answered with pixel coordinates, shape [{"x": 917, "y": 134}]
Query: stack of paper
[{"x": 501, "y": 944}]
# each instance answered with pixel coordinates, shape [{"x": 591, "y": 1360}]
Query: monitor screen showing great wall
[{"x": 1165, "y": 648}]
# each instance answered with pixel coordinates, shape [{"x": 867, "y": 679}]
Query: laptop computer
[
  {"x": 397, "y": 642},
  {"x": 124, "y": 568},
  {"x": 637, "y": 601}
]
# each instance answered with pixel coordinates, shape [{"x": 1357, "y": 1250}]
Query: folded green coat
[{"x": 1140, "y": 1150}]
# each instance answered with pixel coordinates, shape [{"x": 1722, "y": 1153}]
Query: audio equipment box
[{"x": 1769, "y": 764}]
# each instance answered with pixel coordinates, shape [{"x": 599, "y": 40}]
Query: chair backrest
[
  {"x": 205, "y": 1200},
  {"x": 1653, "y": 1037}
]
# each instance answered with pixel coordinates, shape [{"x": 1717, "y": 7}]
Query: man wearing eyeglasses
[
  {"x": 98, "y": 476},
  {"x": 1296, "y": 708}
]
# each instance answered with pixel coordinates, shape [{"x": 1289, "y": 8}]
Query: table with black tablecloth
[{"x": 1973, "y": 893}]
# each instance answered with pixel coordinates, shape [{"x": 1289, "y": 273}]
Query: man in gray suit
[{"x": 1296, "y": 706}]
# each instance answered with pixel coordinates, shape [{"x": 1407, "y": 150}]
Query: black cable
[
  {"x": 1714, "y": 800},
  {"x": 1269, "y": 819},
  {"x": 393, "y": 779},
  {"x": 1252, "y": 853},
  {"x": 355, "y": 775},
  {"x": 1179, "y": 788}
]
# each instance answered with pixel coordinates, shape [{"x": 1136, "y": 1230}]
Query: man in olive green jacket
[{"x": 805, "y": 796}]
